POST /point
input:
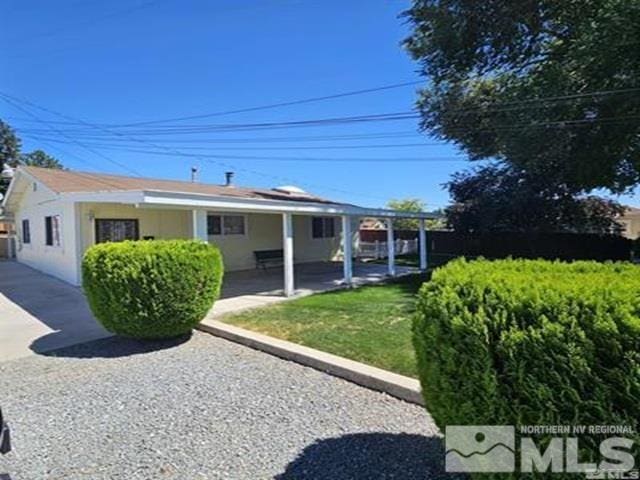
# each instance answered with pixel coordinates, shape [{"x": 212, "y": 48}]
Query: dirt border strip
[{"x": 399, "y": 386}]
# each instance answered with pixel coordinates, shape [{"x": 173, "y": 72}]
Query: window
[
  {"x": 323, "y": 227},
  {"x": 214, "y": 225},
  {"x": 26, "y": 232},
  {"x": 52, "y": 230},
  {"x": 226, "y": 225},
  {"x": 116, "y": 230}
]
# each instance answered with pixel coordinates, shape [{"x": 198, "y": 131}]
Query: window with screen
[
  {"x": 226, "y": 224},
  {"x": 323, "y": 227}
]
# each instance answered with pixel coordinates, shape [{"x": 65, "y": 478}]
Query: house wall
[
  {"x": 159, "y": 223},
  {"x": 631, "y": 225},
  {"x": 59, "y": 261},
  {"x": 264, "y": 232}
]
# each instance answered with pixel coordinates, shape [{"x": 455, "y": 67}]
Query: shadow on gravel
[
  {"x": 372, "y": 456},
  {"x": 115, "y": 347}
]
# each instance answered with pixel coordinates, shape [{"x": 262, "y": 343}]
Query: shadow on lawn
[
  {"x": 370, "y": 455},
  {"x": 114, "y": 347}
]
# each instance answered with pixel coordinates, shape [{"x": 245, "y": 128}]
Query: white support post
[
  {"x": 287, "y": 244},
  {"x": 391, "y": 248},
  {"x": 199, "y": 225},
  {"x": 347, "y": 249},
  {"x": 422, "y": 245}
]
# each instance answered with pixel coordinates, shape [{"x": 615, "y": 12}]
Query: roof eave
[{"x": 155, "y": 198}]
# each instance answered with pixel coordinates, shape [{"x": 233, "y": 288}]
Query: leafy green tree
[
  {"x": 501, "y": 198},
  {"x": 10, "y": 145},
  {"x": 550, "y": 86},
  {"x": 406, "y": 205},
  {"x": 38, "y": 158}
]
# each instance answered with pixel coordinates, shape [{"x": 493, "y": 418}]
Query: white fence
[{"x": 379, "y": 249}]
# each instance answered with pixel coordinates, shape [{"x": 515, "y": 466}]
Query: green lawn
[{"x": 370, "y": 324}]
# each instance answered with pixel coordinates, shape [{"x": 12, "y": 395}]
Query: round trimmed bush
[
  {"x": 151, "y": 289},
  {"x": 531, "y": 342}
]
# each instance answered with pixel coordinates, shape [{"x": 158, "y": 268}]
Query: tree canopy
[
  {"x": 548, "y": 86},
  {"x": 499, "y": 197}
]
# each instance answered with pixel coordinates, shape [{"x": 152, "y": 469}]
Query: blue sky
[{"x": 123, "y": 62}]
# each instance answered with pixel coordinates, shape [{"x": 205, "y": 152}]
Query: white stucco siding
[{"x": 59, "y": 261}]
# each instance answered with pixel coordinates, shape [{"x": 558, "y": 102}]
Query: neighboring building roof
[
  {"x": 68, "y": 181},
  {"x": 372, "y": 224},
  {"x": 631, "y": 212}
]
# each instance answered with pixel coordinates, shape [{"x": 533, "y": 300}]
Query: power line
[
  {"x": 321, "y": 138},
  {"x": 125, "y": 167},
  {"x": 277, "y": 105},
  {"x": 178, "y": 153},
  {"x": 262, "y": 148},
  {"x": 490, "y": 108}
]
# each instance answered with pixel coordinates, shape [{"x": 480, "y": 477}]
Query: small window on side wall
[
  {"x": 323, "y": 227},
  {"x": 52, "y": 231},
  {"x": 26, "y": 232}
]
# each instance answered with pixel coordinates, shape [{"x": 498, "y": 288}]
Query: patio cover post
[
  {"x": 287, "y": 244},
  {"x": 347, "y": 249},
  {"x": 391, "y": 248},
  {"x": 422, "y": 245},
  {"x": 199, "y": 225}
]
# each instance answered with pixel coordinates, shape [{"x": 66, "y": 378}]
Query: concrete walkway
[{"x": 39, "y": 313}]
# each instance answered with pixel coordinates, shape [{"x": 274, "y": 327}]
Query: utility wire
[
  {"x": 95, "y": 152},
  {"x": 489, "y": 108},
  {"x": 7, "y": 97},
  {"x": 277, "y": 105}
]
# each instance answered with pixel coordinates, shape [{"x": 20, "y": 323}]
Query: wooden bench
[{"x": 265, "y": 258}]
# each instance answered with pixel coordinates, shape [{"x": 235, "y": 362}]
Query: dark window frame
[
  {"x": 222, "y": 228},
  {"x": 323, "y": 227},
  {"x": 48, "y": 230},
  {"x": 97, "y": 227},
  {"x": 26, "y": 231}
]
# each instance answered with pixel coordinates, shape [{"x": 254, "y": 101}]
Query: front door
[{"x": 116, "y": 230}]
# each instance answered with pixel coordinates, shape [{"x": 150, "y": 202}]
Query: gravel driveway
[{"x": 203, "y": 408}]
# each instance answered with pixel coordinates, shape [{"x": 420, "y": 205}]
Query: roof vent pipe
[
  {"x": 194, "y": 174},
  {"x": 228, "y": 179}
]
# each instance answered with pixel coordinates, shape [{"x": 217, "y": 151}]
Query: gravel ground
[{"x": 203, "y": 408}]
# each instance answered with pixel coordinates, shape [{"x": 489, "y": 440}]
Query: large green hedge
[
  {"x": 531, "y": 342},
  {"x": 151, "y": 289}
]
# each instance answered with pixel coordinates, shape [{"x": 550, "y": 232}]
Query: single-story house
[{"x": 59, "y": 214}]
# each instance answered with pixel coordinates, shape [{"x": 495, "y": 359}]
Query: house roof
[
  {"x": 156, "y": 193},
  {"x": 68, "y": 181}
]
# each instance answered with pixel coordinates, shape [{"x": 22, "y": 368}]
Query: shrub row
[
  {"x": 531, "y": 342},
  {"x": 151, "y": 289}
]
